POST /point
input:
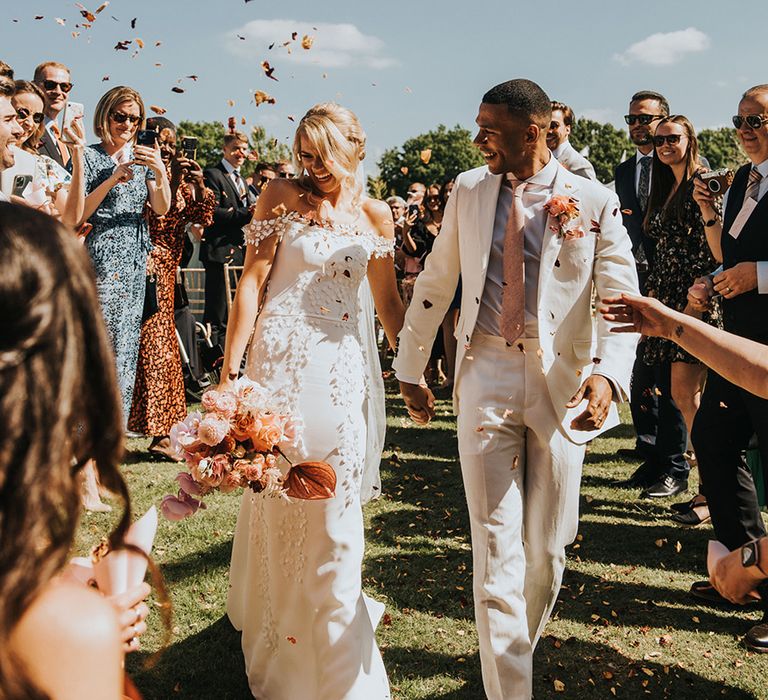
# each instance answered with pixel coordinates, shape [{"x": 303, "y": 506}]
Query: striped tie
[{"x": 753, "y": 184}]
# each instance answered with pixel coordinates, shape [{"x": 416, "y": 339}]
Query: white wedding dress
[{"x": 295, "y": 579}]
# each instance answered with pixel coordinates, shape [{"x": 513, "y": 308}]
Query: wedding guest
[
  {"x": 727, "y": 410},
  {"x": 739, "y": 576},
  {"x": 264, "y": 173},
  {"x": 397, "y": 207},
  {"x": 159, "y": 398},
  {"x": 55, "y": 80},
  {"x": 65, "y": 191},
  {"x": 557, "y": 140},
  {"x": 411, "y": 263},
  {"x": 285, "y": 169},
  {"x": 10, "y": 129},
  {"x": 59, "y": 639},
  {"x": 223, "y": 240},
  {"x": 662, "y": 437},
  {"x": 121, "y": 179},
  {"x": 5, "y": 70},
  {"x": 682, "y": 254}
]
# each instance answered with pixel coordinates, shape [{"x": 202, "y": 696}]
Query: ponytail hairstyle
[
  {"x": 335, "y": 133},
  {"x": 60, "y": 407}
]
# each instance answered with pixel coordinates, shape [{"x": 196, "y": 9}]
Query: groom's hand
[
  {"x": 599, "y": 394},
  {"x": 419, "y": 401}
]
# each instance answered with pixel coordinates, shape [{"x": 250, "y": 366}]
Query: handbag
[{"x": 150, "y": 297}]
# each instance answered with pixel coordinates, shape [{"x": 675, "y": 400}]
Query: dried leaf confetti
[
  {"x": 157, "y": 110},
  {"x": 425, "y": 155},
  {"x": 306, "y": 42},
  {"x": 268, "y": 70},
  {"x": 260, "y": 97}
]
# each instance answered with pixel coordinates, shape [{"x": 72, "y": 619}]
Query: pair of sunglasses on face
[
  {"x": 671, "y": 139},
  {"x": 37, "y": 117},
  {"x": 753, "y": 121},
  {"x": 121, "y": 117},
  {"x": 643, "y": 119},
  {"x": 52, "y": 85}
]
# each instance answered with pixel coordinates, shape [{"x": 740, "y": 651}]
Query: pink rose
[
  {"x": 243, "y": 425},
  {"x": 222, "y": 402},
  {"x": 184, "y": 433},
  {"x": 270, "y": 433},
  {"x": 208, "y": 399},
  {"x": 251, "y": 470},
  {"x": 212, "y": 430},
  {"x": 210, "y": 471}
]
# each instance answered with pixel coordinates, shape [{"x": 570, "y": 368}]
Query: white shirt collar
[
  {"x": 762, "y": 168},
  {"x": 559, "y": 150},
  {"x": 227, "y": 166},
  {"x": 544, "y": 178},
  {"x": 639, "y": 156}
]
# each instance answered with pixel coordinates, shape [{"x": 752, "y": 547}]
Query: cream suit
[{"x": 520, "y": 458}]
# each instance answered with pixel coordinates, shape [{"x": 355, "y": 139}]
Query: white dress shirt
[
  {"x": 762, "y": 265},
  {"x": 237, "y": 183},
  {"x": 538, "y": 191}
]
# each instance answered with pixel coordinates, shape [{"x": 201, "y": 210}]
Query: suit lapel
[
  {"x": 229, "y": 185},
  {"x": 488, "y": 195},
  {"x": 567, "y": 186}
]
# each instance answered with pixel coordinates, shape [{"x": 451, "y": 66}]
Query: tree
[
  {"x": 267, "y": 148},
  {"x": 430, "y": 158},
  {"x": 210, "y": 136},
  {"x": 721, "y": 148},
  {"x": 606, "y": 145}
]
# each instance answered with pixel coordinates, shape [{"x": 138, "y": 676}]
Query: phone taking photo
[
  {"x": 146, "y": 137},
  {"x": 72, "y": 111},
  {"x": 189, "y": 147}
]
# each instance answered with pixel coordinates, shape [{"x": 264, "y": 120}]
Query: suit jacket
[
  {"x": 49, "y": 147},
  {"x": 573, "y": 343},
  {"x": 746, "y": 313},
  {"x": 223, "y": 239},
  {"x": 572, "y": 160}
]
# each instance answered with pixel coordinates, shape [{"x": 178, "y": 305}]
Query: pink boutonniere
[{"x": 563, "y": 210}]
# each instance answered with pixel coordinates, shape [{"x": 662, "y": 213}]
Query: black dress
[{"x": 682, "y": 255}]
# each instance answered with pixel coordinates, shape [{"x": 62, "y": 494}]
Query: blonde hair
[
  {"x": 49, "y": 64},
  {"x": 335, "y": 133},
  {"x": 109, "y": 100}
]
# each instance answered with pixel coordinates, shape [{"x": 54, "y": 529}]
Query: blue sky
[{"x": 403, "y": 67}]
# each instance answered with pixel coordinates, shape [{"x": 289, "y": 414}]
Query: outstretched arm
[{"x": 740, "y": 361}]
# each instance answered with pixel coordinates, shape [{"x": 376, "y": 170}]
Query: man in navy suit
[
  {"x": 223, "y": 240},
  {"x": 661, "y": 433}
]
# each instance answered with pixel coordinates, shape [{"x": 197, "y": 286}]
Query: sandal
[{"x": 698, "y": 515}]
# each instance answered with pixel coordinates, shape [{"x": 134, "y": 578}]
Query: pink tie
[{"x": 513, "y": 293}]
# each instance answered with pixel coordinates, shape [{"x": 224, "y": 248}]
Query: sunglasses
[
  {"x": 23, "y": 113},
  {"x": 671, "y": 139},
  {"x": 121, "y": 117},
  {"x": 753, "y": 121},
  {"x": 52, "y": 85},
  {"x": 644, "y": 119}
]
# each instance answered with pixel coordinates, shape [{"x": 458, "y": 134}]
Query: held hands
[
  {"x": 700, "y": 294},
  {"x": 599, "y": 394},
  {"x": 419, "y": 401},
  {"x": 736, "y": 280}
]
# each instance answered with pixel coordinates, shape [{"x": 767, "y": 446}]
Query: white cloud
[
  {"x": 665, "y": 49},
  {"x": 598, "y": 114},
  {"x": 334, "y": 45}
]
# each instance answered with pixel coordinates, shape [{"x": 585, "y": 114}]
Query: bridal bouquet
[{"x": 236, "y": 442}]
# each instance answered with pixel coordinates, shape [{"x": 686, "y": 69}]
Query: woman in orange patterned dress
[{"x": 158, "y": 397}]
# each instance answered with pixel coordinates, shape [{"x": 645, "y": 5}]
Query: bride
[{"x": 317, "y": 248}]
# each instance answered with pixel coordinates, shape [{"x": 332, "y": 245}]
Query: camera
[
  {"x": 146, "y": 137},
  {"x": 189, "y": 147},
  {"x": 718, "y": 181}
]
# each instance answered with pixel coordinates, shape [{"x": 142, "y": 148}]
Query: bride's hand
[{"x": 225, "y": 383}]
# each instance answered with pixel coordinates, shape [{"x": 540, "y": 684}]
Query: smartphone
[
  {"x": 189, "y": 147},
  {"x": 72, "y": 111},
  {"x": 146, "y": 137},
  {"x": 20, "y": 183},
  {"x": 413, "y": 209}
]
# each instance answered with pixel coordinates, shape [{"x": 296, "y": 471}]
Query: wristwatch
[
  {"x": 750, "y": 555},
  {"x": 711, "y": 222}
]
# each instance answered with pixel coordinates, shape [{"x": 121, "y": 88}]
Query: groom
[{"x": 531, "y": 241}]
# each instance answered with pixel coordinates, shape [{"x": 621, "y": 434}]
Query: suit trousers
[
  {"x": 215, "y": 311},
  {"x": 521, "y": 477},
  {"x": 724, "y": 424}
]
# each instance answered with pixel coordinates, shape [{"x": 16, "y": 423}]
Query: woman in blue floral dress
[{"x": 120, "y": 179}]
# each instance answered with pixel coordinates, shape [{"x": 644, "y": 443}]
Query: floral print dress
[
  {"x": 118, "y": 245},
  {"x": 682, "y": 255},
  {"x": 159, "y": 400}
]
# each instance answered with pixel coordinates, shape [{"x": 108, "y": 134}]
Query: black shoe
[
  {"x": 691, "y": 518},
  {"x": 645, "y": 475},
  {"x": 666, "y": 486},
  {"x": 704, "y": 592},
  {"x": 685, "y": 506},
  {"x": 757, "y": 638}
]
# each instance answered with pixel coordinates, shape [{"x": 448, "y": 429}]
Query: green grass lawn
[{"x": 623, "y": 625}]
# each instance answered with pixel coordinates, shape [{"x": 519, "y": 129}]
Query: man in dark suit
[
  {"x": 54, "y": 79},
  {"x": 223, "y": 240},
  {"x": 661, "y": 433},
  {"x": 729, "y": 416}
]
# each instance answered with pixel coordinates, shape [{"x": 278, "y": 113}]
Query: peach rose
[{"x": 212, "y": 430}]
